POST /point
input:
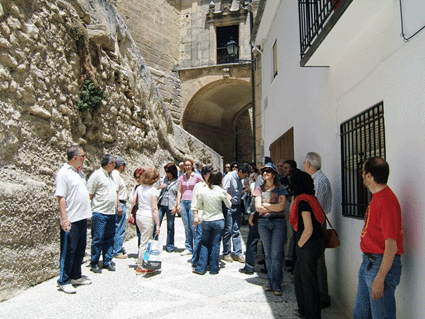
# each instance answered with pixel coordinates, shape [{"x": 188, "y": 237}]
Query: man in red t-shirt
[{"x": 381, "y": 244}]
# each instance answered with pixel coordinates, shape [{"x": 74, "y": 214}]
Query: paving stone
[{"x": 173, "y": 293}]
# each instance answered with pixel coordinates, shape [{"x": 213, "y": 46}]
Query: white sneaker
[
  {"x": 68, "y": 289},
  {"x": 84, "y": 280},
  {"x": 185, "y": 253}
]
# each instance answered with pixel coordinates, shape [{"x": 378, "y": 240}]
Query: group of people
[
  {"x": 103, "y": 200},
  {"x": 287, "y": 209}
]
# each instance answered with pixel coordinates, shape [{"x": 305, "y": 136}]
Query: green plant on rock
[
  {"x": 90, "y": 97},
  {"x": 80, "y": 39}
]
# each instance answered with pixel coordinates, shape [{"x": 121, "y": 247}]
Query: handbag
[
  {"x": 152, "y": 256},
  {"x": 164, "y": 190},
  {"x": 132, "y": 217},
  {"x": 331, "y": 236}
]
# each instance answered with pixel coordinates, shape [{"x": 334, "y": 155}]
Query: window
[
  {"x": 274, "y": 59},
  {"x": 224, "y": 35},
  {"x": 283, "y": 147},
  {"x": 362, "y": 136}
]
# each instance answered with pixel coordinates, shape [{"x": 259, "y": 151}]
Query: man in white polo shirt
[
  {"x": 105, "y": 202},
  {"x": 74, "y": 208}
]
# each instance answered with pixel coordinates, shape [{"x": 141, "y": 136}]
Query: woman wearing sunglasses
[{"x": 270, "y": 200}]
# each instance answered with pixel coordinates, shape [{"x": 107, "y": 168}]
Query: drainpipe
[{"x": 251, "y": 26}]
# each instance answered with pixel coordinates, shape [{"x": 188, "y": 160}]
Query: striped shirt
[
  {"x": 323, "y": 190},
  {"x": 233, "y": 185}
]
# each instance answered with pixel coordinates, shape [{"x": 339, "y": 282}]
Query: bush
[{"x": 90, "y": 97}]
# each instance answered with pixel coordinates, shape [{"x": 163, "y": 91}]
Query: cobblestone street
[{"x": 174, "y": 293}]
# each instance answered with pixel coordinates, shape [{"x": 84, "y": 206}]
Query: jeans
[
  {"x": 120, "y": 230},
  {"x": 385, "y": 307},
  {"x": 231, "y": 231},
  {"x": 273, "y": 234},
  {"x": 73, "y": 248},
  {"x": 197, "y": 244},
  {"x": 102, "y": 232},
  {"x": 212, "y": 231},
  {"x": 164, "y": 210},
  {"x": 189, "y": 227},
  {"x": 305, "y": 278},
  {"x": 251, "y": 246}
]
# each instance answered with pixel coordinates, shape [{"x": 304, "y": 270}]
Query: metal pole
[{"x": 251, "y": 25}]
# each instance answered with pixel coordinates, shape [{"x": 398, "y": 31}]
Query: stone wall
[
  {"x": 48, "y": 50},
  {"x": 155, "y": 27}
]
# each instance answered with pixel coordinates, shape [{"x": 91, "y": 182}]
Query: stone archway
[{"x": 219, "y": 114}]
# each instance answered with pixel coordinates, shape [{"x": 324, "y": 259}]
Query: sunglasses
[{"x": 267, "y": 171}]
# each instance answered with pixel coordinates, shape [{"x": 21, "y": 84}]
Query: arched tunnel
[{"x": 219, "y": 114}]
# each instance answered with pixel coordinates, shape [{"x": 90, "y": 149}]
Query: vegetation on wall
[{"x": 90, "y": 97}]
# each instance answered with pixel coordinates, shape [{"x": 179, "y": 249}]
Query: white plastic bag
[{"x": 152, "y": 256}]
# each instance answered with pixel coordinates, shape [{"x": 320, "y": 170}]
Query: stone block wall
[
  {"x": 155, "y": 27},
  {"x": 48, "y": 50}
]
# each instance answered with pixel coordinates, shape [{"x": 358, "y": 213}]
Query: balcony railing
[{"x": 316, "y": 18}]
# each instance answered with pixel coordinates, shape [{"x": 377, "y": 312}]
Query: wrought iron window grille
[{"x": 362, "y": 137}]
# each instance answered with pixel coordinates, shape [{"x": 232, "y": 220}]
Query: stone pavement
[{"x": 174, "y": 293}]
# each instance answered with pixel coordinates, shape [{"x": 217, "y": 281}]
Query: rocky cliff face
[{"x": 50, "y": 51}]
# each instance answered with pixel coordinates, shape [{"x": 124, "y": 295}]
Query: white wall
[{"x": 376, "y": 66}]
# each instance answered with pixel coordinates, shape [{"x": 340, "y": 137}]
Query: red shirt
[{"x": 382, "y": 221}]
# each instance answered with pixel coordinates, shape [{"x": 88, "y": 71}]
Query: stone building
[
  {"x": 184, "y": 45},
  {"x": 57, "y": 58}
]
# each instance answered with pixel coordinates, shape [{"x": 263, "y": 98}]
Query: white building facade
[{"x": 356, "y": 70}]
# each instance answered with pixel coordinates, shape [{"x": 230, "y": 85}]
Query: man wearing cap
[
  {"x": 287, "y": 166},
  {"x": 104, "y": 196},
  {"x": 120, "y": 217},
  {"x": 253, "y": 235},
  {"x": 232, "y": 183}
]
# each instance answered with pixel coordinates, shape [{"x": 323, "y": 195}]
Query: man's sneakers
[
  {"x": 228, "y": 258},
  {"x": 121, "y": 256},
  {"x": 84, "y": 280},
  {"x": 96, "y": 269},
  {"x": 68, "y": 289},
  {"x": 239, "y": 258},
  {"x": 185, "y": 253},
  {"x": 245, "y": 271},
  {"x": 110, "y": 267}
]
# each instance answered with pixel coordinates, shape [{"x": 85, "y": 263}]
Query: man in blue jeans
[
  {"x": 105, "y": 202},
  {"x": 120, "y": 217},
  {"x": 382, "y": 245},
  {"x": 232, "y": 183},
  {"x": 74, "y": 208},
  {"x": 253, "y": 235}
]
